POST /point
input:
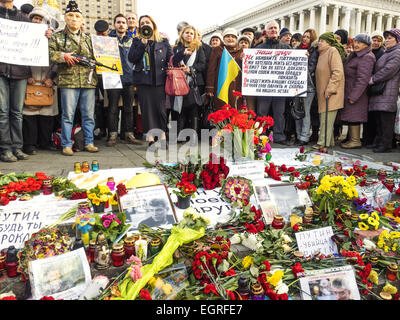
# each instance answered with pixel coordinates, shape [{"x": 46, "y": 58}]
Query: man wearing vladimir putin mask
[{"x": 76, "y": 82}]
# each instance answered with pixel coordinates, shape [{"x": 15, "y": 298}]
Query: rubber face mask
[{"x": 73, "y": 21}]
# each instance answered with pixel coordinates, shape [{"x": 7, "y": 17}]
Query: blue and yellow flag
[{"x": 228, "y": 71}]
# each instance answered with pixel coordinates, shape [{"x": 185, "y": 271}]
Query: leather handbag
[
  {"x": 376, "y": 89},
  {"x": 297, "y": 108},
  {"x": 193, "y": 97},
  {"x": 39, "y": 96},
  {"x": 176, "y": 83}
]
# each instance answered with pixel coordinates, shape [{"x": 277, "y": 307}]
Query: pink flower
[
  {"x": 133, "y": 259},
  {"x": 106, "y": 223},
  {"x": 135, "y": 274}
]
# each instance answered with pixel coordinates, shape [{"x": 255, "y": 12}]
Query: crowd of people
[{"x": 352, "y": 82}]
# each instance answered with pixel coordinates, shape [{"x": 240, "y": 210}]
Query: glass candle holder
[
  {"x": 382, "y": 174},
  {"x": 129, "y": 247},
  {"x": 278, "y": 223},
  {"x": 111, "y": 183},
  {"x": 118, "y": 255},
  {"x": 47, "y": 186},
  {"x": 257, "y": 292},
  {"x": 90, "y": 252},
  {"x": 391, "y": 272},
  {"x": 11, "y": 263},
  {"x": 95, "y": 166},
  {"x": 77, "y": 167},
  {"x": 85, "y": 166},
  {"x": 141, "y": 249},
  {"x": 155, "y": 246}
]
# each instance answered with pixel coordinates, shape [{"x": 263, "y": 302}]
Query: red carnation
[{"x": 145, "y": 295}]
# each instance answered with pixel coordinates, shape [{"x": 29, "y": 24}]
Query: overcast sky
[{"x": 200, "y": 13}]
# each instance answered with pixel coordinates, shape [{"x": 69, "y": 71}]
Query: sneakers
[
  {"x": 130, "y": 138},
  {"x": 8, "y": 157},
  {"x": 67, "y": 151},
  {"x": 91, "y": 148},
  {"x": 20, "y": 155}
]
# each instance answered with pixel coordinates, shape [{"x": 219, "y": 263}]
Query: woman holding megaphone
[{"x": 150, "y": 53}]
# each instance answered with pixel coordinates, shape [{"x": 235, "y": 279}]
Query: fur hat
[
  {"x": 39, "y": 11},
  {"x": 217, "y": 35},
  {"x": 101, "y": 26},
  {"x": 377, "y": 34},
  {"x": 244, "y": 37},
  {"x": 394, "y": 32},
  {"x": 26, "y": 8},
  {"x": 230, "y": 31}
]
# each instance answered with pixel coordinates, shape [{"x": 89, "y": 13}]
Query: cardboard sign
[
  {"x": 312, "y": 241},
  {"x": 23, "y": 43},
  {"x": 252, "y": 170},
  {"x": 273, "y": 72}
]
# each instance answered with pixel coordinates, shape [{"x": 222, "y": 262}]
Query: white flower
[
  {"x": 256, "y": 125},
  {"x": 236, "y": 239},
  {"x": 252, "y": 242},
  {"x": 260, "y": 131},
  {"x": 286, "y": 238},
  {"x": 286, "y": 248},
  {"x": 281, "y": 288},
  {"x": 368, "y": 244}
]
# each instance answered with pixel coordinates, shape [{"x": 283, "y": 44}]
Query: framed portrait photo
[
  {"x": 150, "y": 205},
  {"x": 265, "y": 202},
  {"x": 64, "y": 276}
]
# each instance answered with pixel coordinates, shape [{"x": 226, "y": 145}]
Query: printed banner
[
  {"x": 23, "y": 43},
  {"x": 106, "y": 51},
  {"x": 272, "y": 72}
]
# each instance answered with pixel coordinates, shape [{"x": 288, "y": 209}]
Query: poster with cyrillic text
[
  {"x": 23, "y": 43},
  {"x": 275, "y": 73}
]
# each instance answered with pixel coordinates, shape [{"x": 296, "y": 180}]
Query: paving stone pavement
[{"x": 130, "y": 156}]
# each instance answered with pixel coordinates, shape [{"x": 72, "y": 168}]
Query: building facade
[
  {"x": 92, "y": 10},
  {"x": 356, "y": 16}
]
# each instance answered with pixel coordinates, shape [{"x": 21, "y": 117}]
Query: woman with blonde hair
[
  {"x": 151, "y": 56},
  {"x": 189, "y": 54}
]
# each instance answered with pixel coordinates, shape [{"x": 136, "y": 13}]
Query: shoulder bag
[
  {"x": 176, "y": 83},
  {"x": 376, "y": 89},
  {"x": 39, "y": 96}
]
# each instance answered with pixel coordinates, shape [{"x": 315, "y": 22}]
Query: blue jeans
[
  {"x": 12, "y": 96},
  {"x": 69, "y": 101},
  {"x": 303, "y": 126}
]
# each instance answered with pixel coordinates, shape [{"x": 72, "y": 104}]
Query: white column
[
  {"x": 389, "y": 22},
  {"x": 369, "y": 22},
  {"x": 291, "y": 26},
  {"x": 398, "y": 23},
  {"x": 379, "y": 21},
  {"x": 312, "y": 18},
  {"x": 358, "y": 21},
  {"x": 301, "y": 21},
  {"x": 346, "y": 22},
  {"x": 335, "y": 20},
  {"x": 282, "y": 23},
  {"x": 322, "y": 22}
]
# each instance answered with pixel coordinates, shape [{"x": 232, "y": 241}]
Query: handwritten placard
[
  {"x": 272, "y": 72},
  {"x": 312, "y": 241},
  {"x": 23, "y": 43}
]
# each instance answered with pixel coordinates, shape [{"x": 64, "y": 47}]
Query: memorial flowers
[
  {"x": 185, "y": 189},
  {"x": 213, "y": 172},
  {"x": 99, "y": 194},
  {"x": 237, "y": 190},
  {"x": 241, "y": 130},
  {"x": 111, "y": 225}
]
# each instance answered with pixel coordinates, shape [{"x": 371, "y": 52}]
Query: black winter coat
[
  {"x": 199, "y": 65},
  {"x": 273, "y": 44},
  {"x": 161, "y": 54},
  {"x": 13, "y": 71}
]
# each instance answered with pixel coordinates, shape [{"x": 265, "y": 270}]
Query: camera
[{"x": 146, "y": 32}]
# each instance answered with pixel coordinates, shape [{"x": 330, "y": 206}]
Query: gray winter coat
[
  {"x": 387, "y": 68},
  {"x": 358, "y": 70}
]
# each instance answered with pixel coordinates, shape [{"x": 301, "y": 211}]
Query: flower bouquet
[
  {"x": 214, "y": 172},
  {"x": 242, "y": 132},
  {"x": 186, "y": 190},
  {"x": 47, "y": 242},
  {"x": 99, "y": 197},
  {"x": 237, "y": 191},
  {"x": 111, "y": 225},
  {"x": 335, "y": 192}
]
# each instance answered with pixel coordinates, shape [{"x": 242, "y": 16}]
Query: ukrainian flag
[{"x": 228, "y": 71}]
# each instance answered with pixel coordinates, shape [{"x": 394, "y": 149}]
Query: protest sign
[
  {"x": 272, "y": 72},
  {"x": 317, "y": 240},
  {"x": 23, "y": 43},
  {"x": 106, "y": 51},
  {"x": 252, "y": 170}
]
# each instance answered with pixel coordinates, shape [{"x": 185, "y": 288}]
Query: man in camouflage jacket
[{"x": 76, "y": 82}]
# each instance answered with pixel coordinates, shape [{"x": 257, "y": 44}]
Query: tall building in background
[
  {"x": 356, "y": 16},
  {"x": 94, "y": 10}
]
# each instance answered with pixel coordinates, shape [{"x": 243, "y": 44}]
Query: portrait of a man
[{"x": 157, "y": 214}]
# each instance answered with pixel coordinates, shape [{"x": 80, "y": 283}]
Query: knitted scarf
[{"x": 330, "y": 38}]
